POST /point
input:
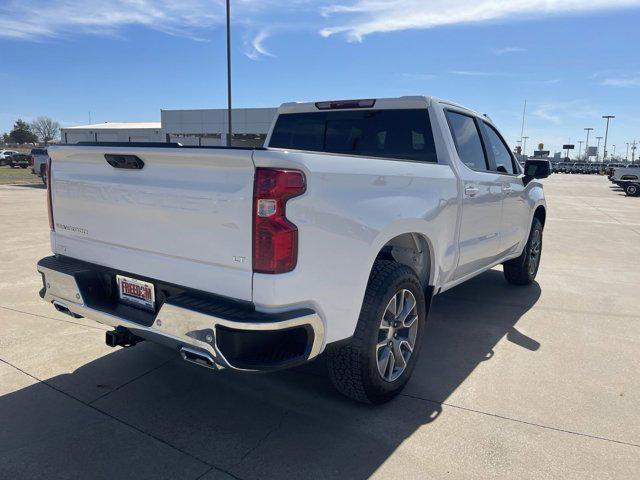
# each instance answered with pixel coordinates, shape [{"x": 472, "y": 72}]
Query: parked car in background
[
  {"x": 40, "y": 160},
  {"x": 4, "y": 156},
  {"x": 333, "y": 238},
  {"x": 628, "y": 174},
  {"x": 610, "y": 167},
  {"x": 22, "y": 160}
]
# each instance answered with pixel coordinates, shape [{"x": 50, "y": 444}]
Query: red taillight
[
  {"x": 49, "y": 204},
  {"x": 275, "y": 239}
]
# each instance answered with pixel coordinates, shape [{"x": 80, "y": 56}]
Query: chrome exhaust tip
[
  {"x": 198, "y": 357},
  {"x": 62, "y": 308}
]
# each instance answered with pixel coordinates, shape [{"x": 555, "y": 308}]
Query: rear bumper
[{"x": 230, "y": 334}]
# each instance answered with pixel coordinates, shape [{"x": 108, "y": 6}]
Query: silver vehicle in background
[
  {"x": 40, "y": 160},
  {"x": 5, "y": 155}
]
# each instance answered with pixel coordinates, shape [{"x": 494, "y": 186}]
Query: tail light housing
[
  {"x": 49, "y": 203},
  {"x": 275, "y": 238}
]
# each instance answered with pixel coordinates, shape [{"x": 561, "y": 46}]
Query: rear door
[
  {"x": 184, "y": 217},
  {"x": 482, "y": 197}
]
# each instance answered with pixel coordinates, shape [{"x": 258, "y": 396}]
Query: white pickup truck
[
  {"x": 333, "y": 238},
  {"x": 627, "y": 178}
]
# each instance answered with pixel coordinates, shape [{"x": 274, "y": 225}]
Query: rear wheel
[
  {"x": 523, "y": 270},
  {"x": 632, "y": 189},
  {"x": 377, "y": 362}
]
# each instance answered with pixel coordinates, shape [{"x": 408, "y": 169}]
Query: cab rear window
[{"x": 402, "y": 134}]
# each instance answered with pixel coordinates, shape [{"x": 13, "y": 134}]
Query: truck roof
[{"x": 406, "y": 102}]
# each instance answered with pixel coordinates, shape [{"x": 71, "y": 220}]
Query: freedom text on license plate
[{"x": 136, "y": 292}]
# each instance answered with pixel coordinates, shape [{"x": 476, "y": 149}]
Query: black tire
[
  {"x": 523, "y": 270},
  {"x": 24, "y": 166},
  {"x": 632, "y": 189},
  {"x": 353, "y": 365}
]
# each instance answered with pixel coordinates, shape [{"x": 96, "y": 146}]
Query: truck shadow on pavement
[{"x": 290, "y": 424}]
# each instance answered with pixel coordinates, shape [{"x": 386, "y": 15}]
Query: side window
[
  {"x": 467, "y": 138},
  {"x": 501, "y": 154}
]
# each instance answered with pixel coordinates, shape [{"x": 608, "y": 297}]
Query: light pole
[
  {"x": 524, "y": 146},
  {"x": 598, "y": 150},
  {"x": 614, "y": 151},
  {"x": 580, "y": 142},
  {"x": 524, "y": 113},
  {"x": 633, "y": 152},
  {"x": 626, "y": 157},
  {"x": 586, "y": 145},
  {"x": 606, "y": 135},
  {"x": 230, "y": 134}
]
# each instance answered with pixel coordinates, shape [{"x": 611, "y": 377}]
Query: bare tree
[{"x": 45, "y": 128}]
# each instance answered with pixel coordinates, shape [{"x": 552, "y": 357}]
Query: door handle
[
  {"x": 506, "y": 189},
  {"x": 471, "y": 190},
  {"x": 130, "y": 162}
]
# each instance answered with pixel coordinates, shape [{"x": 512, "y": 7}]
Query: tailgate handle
[{"x": 130, "y": 162}]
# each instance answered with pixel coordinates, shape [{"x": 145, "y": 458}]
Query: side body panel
[{"x": 352, "y": 208}]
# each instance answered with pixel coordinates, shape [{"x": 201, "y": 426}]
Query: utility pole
[
  {"x": 586, "y": 145},
  {"x": 598, "y": 150},
  {"x": 230, "y": 133},
  {"x": 614, "y": 151},
  {"x": 633, "y": 152},
  {"x": 524, "y": 146},
  {"x": 606, "y": 135},
  {"x": 626, "y": 157},
  {"x": 580, "y": 149}
]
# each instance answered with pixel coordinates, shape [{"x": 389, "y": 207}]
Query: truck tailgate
[{"x": 185, "y": 217}]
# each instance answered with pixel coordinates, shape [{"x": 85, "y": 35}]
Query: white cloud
[
  {"x": 622, "y": 81},
  {"x": 560, "y": 113},
  {"x": 474, "y": 73},
  {"x": 505, "y": 50},
  {"x": 255, "y": 48},
  {"x": 552, "y": 81},
  {"x": 359, "y": 18},
  {"x": 35, "y": 19}
]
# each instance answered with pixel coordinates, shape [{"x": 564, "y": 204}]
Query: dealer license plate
[{"x": 136, "y": 292}]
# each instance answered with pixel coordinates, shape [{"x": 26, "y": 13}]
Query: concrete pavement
[{"x": 537, "y": 382}]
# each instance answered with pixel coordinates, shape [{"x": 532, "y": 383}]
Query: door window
[
  {"x": 467, "y": 138},
  {"x": 501, "y": 153}
]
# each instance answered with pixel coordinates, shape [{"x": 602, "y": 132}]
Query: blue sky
[{"x": 124, "y": 60}]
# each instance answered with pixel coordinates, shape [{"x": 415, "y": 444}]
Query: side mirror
[{"x": 536, "y": 169}]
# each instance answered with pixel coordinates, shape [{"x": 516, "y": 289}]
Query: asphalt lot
[{"x": 538, "y": 382}]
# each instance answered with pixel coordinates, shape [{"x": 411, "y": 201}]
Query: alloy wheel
[{"x": 397, "y": 335}]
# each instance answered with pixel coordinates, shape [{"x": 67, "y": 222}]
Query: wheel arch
[
  {"x": 541, "y": 214},
  {"x": 414, "y": 250}
]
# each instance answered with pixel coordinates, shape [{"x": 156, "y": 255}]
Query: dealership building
[{"x": 207, "y": 127}]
